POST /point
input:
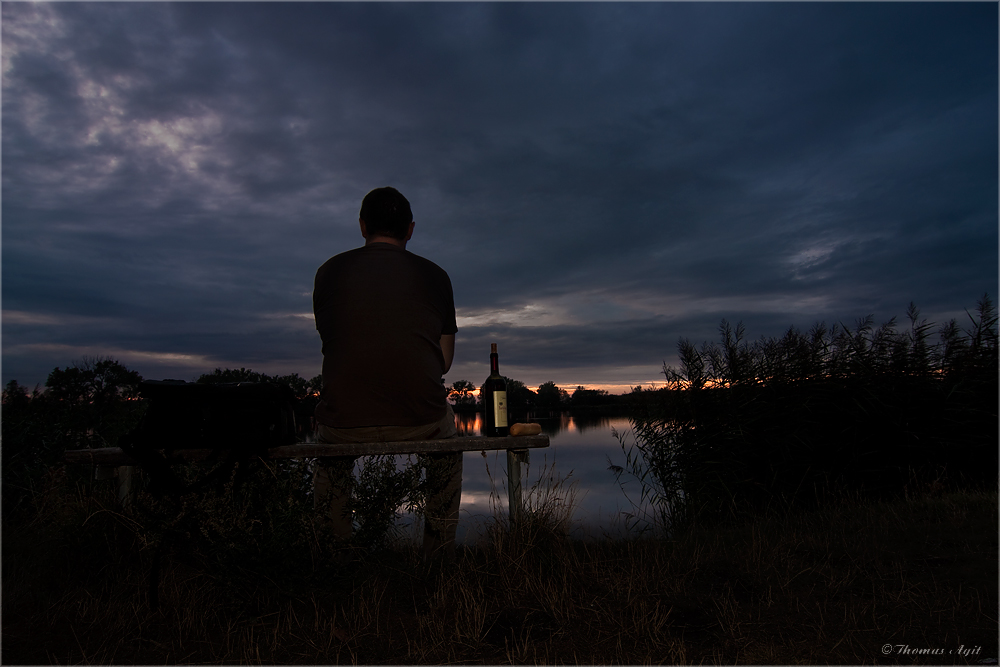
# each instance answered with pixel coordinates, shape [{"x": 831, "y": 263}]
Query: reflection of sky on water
[{"x": 580, "y": 446}]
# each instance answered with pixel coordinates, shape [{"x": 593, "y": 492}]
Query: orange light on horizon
[{"x": 616, "y": 388}]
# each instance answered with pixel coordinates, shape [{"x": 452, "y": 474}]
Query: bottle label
[{"x": 499, "y": 409}]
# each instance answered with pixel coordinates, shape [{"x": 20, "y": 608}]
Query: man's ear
[
  {"x": 409, "y": 232},
  {"x": 364, "y": 230}
]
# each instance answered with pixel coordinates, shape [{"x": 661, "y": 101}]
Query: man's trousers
[{"x": 333, "y": 480}]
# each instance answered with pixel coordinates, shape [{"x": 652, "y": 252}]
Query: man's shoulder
[
  {"x": 425, "y": 263},
  {"x": 380, "y": 253},
  {"x": 345, "y": 255},
  {"x": 339, "y": 260}
]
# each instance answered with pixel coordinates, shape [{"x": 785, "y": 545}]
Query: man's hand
[{"x": 448, "y": 350}]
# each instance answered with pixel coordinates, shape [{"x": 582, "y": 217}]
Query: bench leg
[
  {"x": 126, "y": 485},
  {"x": 515, "y": 457},
  {"x": 123, "y": 481}
]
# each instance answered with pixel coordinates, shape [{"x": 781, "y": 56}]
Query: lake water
[
  {"x": 577, "y": 458},
  {"x": 576, "y": 463}
]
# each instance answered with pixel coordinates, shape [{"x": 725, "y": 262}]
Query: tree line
[
  {"x": 94, "y": 403},
  {"x": 549, "y": 396}
]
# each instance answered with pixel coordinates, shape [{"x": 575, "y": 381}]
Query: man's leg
[
  {"x": 444, "y": 497},
  {"x": 444, "y": 479},
  {"x": 333, "y": 482}
]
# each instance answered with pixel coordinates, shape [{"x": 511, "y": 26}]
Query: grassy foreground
[{"x": 831, "y": 586}]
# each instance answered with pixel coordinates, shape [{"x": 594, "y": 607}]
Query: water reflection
[
  {"x": 469, "y": 423},
  {"x": 553, "y": 422},
  {"x": 581, "y": 445}
]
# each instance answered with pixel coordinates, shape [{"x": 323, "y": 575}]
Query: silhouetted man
[{"x": 387, "y": 320}]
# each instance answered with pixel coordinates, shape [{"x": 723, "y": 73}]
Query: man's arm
[{"x": 448, "y": 350}]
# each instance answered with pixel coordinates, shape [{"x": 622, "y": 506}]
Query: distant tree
[
  {"x": 232, "y": 375},
  {"x": 306, "y": 392},
  {"x": 299, "y": 385},
  {"x": 94, "y": 380},
  {"x": 583, "y": 396},
  {"x": 16, "y": 395},
  {"x": 88, "y": 404},
  {"x": 461, "y": 392},
  {"x": 67, "y": 385},
  {"x": 518, "y": 395},
  {"x": 550, "y": 396}
]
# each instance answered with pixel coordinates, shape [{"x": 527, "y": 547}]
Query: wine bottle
[{"x": 495, "y": 399}]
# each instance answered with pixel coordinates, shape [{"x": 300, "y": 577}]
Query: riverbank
[{"x": 834, "y": 586}]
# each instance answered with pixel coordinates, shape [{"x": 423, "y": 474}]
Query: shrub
[{"x": 789, "y": 421}]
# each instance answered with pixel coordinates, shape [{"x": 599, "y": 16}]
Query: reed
[{"x": 796, "y": 421}]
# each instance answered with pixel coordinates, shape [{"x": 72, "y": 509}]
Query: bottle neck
[{"x": 494, "y": 364}]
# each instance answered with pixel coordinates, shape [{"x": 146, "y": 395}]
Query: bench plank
[
  {"x": 460, "y": 444},
  {"x": 116, "y": 457}
]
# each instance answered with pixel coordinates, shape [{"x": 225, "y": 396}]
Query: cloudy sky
[{"x": 599, "y": 180}]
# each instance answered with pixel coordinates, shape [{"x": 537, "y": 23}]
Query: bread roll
[{"x": 525, "y": 429}]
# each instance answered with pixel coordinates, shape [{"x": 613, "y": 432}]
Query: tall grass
[
  {"x": 828, "y": 586},
  {"x": 745, "y": 426}
]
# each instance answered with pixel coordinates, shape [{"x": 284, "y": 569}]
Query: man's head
[{"x": 386, "y": 212}]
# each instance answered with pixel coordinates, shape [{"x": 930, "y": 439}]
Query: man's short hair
[{"x": 386, "y": 213}]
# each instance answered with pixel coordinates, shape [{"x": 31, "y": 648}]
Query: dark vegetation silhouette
[
  {"x": 519, "y": 397},
  {"x": 797, "y": 420},
  {"x": 798, "y": 424},
  {"x": 90, "y": 404},
  {"x": 94, "y": 403},
  {"x": 306, "y": 392},
  {"x": 549, "y": 397},
  {"x": 462, "y": 396}
]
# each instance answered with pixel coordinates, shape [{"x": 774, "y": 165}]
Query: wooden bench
[{"x": 517, "y": 456}]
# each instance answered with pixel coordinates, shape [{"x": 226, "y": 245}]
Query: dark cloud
[{"x": 599, "y": 179}]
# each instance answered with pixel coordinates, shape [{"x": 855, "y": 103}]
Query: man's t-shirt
[{"x": 381, "y": 312}]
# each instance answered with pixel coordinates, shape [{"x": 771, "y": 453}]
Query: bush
[
  {"x": 90, "y": 404},
  {"x": 790, "y": 421}
]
